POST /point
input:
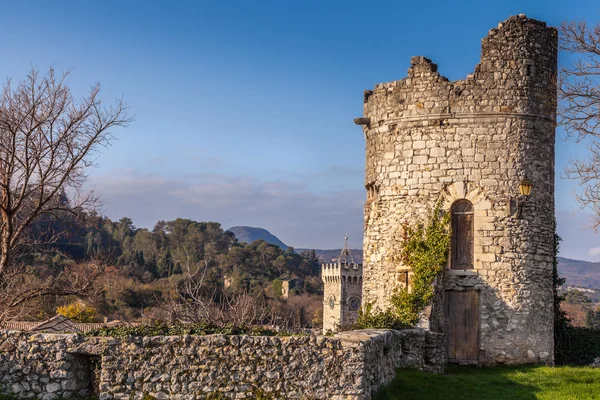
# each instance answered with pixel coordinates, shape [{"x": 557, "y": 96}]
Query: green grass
[{"x": 495, "y": 383}]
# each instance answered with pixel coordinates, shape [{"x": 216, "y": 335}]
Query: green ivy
[
  {"x": 160, "y": 329},
  {"x": 425, "y": 251}
]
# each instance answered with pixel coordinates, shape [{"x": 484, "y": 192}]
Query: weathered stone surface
[
  {"x": 430, "y": 139},
  {"x": 351, "y": 365}
]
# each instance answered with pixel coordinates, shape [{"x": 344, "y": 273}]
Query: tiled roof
[{"x": 56, "y": 324}]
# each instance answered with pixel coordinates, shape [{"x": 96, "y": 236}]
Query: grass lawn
[{"x": 497, "y": 383}]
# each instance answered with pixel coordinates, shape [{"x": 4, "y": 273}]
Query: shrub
[
  {"x": 277, "y": 286},
  {"x": 78, "y": 312},
  {"x": 572, "y": 345},
  {"x": 577, "y": 346}
]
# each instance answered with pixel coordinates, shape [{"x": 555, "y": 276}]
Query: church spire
[{"x": 346, "y": 256}]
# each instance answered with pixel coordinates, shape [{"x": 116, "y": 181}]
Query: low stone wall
[{"x": 351, "y": 365}]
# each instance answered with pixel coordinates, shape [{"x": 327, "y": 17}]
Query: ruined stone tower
[
  {"x": 342, "y": 291},
  {"x": 478, "y": 145}
]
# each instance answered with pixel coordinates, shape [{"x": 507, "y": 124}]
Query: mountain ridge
[
  {"x": 585, "y": 274},
  {"x": 249, "y": 234}
]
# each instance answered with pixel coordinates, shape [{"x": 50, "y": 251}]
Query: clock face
[
  {"x": 354, "y": 303},
  {"x": 332, "y": 301}
]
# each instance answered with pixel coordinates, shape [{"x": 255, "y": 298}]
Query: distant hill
[
  {"x": 249, "y": 234},
  {"x": 579, "y": 273}
]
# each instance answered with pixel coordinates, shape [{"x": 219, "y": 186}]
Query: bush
[
  {"x": 378, "y": 319},
  {"x": 577, "y": 346},
  {"x": 77, "y": 312}
]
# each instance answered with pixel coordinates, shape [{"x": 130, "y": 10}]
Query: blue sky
[{"x": 244, "y": 109}]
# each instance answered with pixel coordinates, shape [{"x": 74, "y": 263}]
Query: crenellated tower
[{"x": 342, "y": 296}]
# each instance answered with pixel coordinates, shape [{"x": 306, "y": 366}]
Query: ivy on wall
[
  {"x": 160, "y": 329},
  {"x": 425, "y": 250}
]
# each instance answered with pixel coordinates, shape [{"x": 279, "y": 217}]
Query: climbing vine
[
  {"x": 160, "y": 329},
  {"x": 425, "y": 250}
]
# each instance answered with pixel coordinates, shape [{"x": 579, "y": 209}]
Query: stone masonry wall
[
  {"x": 430, "y": 139},
  {"x": 351, "y": 365}
]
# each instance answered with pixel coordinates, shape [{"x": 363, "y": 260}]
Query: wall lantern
[{"x": 525, "y": 188}]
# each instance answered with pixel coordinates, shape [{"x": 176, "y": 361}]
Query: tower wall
[
  {"x": 332, "y": 297},
  {"x": 342, "y": 294},
  {"x": 429, "y": 139}
]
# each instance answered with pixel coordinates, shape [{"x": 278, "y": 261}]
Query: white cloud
[
  {"x": 300, "y": 218},
  {"x": 594, "y": 252}
]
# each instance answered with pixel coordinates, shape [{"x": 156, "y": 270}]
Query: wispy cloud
[
  {"x": 579, "y": 241},
  {"x": 594, "y": 252},
  {"x": 332, "y": 171},
  {"x": 297, "y": 216}
]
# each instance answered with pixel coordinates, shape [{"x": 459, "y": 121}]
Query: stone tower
[
  {"x": 342, "y": 292},
  {"x": 478, "y": 146}
]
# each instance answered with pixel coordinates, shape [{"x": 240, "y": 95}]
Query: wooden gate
[{"x": 462, "y": 325}]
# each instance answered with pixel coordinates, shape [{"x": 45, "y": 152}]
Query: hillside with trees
[{"x": 180, "y": 271}]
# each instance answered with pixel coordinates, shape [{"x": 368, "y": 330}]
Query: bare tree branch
[
  {"x": 19, "y": 288},
  {"x": 579, "y": 107},
  {"x": 47, "y": 141}
]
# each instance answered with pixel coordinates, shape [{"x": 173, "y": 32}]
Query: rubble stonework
[
  {"x": 352, "y": 365},
  {"x": 430, "y": 139}
]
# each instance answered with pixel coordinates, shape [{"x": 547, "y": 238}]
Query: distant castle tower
[{"x": 342, "y": 291}]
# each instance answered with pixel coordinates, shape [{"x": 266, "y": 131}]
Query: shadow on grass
[{"x": 497, "y": 383}]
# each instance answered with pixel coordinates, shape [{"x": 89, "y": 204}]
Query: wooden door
[{"x": 462, "y": 322}]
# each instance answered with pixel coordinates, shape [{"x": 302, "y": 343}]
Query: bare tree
[
  {"x": 579, "y": 106},
  {"x": 20, "y": 290},
  {"x": 47, "y": 140},
  {"x": 192, "y": 303}
]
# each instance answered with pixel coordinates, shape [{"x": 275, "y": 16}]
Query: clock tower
[{"x": 342, "y": 294}]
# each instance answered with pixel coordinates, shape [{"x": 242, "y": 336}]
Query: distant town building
[{"x": 286, "y": 285}]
